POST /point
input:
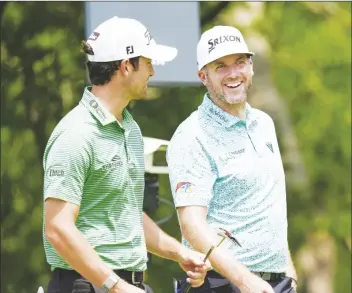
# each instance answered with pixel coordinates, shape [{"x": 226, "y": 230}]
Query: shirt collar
[
  {"x": 99, "y": 111},
  {"x": 219, "y": 115}
]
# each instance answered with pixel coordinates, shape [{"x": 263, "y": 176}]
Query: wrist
[
  {"x": 244, "y": 278},
  {"x": 111, "y": 282},
  {"x": 181, "y": 252},
  {"x": 170, "y": 249},
  {"x": 231, "y": 268},
  {"x": 173, "y": 250}
]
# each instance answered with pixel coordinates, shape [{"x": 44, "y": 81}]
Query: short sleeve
[
  {"x": 190, "y": 171},
  {"x": 66, "y": 165}
]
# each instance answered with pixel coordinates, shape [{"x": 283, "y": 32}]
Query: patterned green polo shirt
[{"x": 95, "y": 162}]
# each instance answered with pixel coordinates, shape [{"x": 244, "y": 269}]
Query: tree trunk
[
  {"x": 263, "y": 95},
  {"x": 317, "y": 261}
]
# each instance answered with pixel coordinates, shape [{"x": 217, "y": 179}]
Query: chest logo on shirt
[
  {"x": 232, "y": 155},
  {"x": 115, "y": 163},
  {"x": 270, "y": 146},
  {"x": 184, "y": 187}
]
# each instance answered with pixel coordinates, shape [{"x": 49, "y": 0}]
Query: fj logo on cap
[
  {"x": 222, "y": 39},
  {"x": 129, "y": 50}
]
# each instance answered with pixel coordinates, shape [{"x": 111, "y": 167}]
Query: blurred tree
[
  {"x": 311, "y": 60},
  {"x": 303, "y": 71},
  {"x": 42, "y": 76}
]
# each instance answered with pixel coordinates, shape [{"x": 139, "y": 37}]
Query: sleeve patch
[{"x": 184, "y": 187}]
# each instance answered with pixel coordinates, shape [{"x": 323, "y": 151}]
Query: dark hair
[{"x": 100, "y": 73}]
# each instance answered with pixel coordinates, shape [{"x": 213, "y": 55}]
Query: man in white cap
[
  {"x": 96, "y": 235},
  {"x": 226, "y": 172}
]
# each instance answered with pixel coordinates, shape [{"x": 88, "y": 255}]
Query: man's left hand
[{"x": 192, "y": 263}]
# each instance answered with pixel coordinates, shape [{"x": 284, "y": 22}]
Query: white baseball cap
[
  {"x": 124, "y": 38},
  {"x": 218, "y": 42}
]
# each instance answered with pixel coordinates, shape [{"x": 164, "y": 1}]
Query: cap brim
[
  {"x": 231, "y": 52},
  {"x": 161, "y": 53},
  {"x": 221, "y": 54}
]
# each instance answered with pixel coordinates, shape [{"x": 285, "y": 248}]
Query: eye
[
  {"x": 241, "y": 61},
  {"x": 219, "y": 66}
]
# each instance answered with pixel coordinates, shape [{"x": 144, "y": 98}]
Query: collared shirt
[
  {"x": 93, "y": 161},
  {"x": 233, "y": 167}
]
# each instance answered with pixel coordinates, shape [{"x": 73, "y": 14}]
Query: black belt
[
  {"x": 272, "y": 277},
  {"x": 134, "y": 278}
]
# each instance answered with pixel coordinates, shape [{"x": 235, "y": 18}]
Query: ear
[
  {"x": 202, "y": 76},
  {"x": 251, "y": 69},
  {"x": 125, "y": 67}
]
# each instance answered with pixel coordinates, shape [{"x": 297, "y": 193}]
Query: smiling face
[{"x": 229, "y": 78}]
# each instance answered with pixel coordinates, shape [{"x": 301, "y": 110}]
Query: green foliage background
[{"x": 42, "y": 77}]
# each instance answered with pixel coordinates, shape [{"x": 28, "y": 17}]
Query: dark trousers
[
  {"x": 67, "y": 281},
  {"x": 215, "y": 283}
]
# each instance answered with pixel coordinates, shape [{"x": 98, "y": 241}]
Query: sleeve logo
[
  {"x": 56, "y": 171},
  {"x": 184, "y": 187}
]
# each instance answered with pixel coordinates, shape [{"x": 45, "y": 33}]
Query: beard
[
  {"x": 229, "y": 99},
  {"x": 139, "y": 91}
]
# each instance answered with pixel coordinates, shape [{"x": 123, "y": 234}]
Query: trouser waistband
[{"x": 134, "y": 278}]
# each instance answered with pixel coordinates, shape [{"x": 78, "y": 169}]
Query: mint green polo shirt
[
  {"x": 233, "y": 167},
  {"x": 96, "y": 163}
]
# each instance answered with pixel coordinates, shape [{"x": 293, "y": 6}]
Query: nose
[
  {"x": 151, "y": 71},
  {"x": 235, "y": 69}
]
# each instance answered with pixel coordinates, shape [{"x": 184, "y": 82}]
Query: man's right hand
[
  {"x": 201, "y": 236},
  {"x": 124, "y": 287},
  {"x": 254, "y": 284}
]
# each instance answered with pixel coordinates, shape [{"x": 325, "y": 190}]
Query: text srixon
[{"x": 222, "y": 39}]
